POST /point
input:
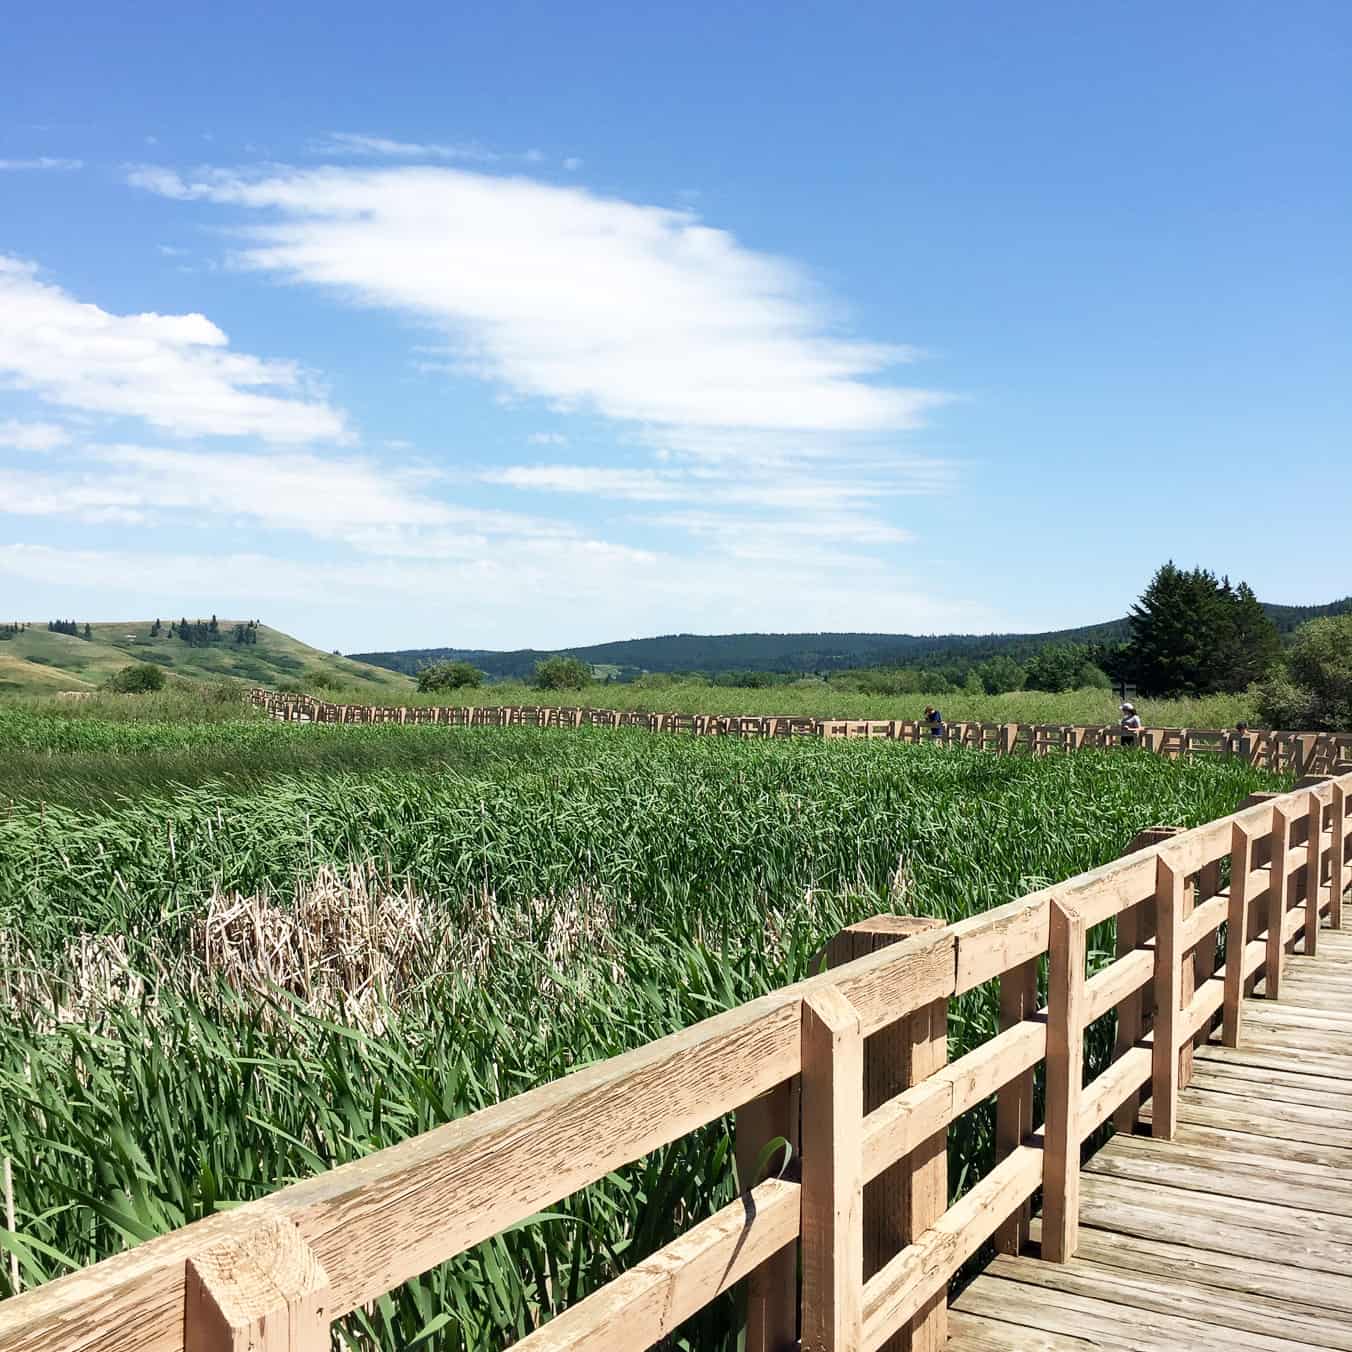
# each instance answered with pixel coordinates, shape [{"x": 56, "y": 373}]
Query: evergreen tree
[
  {"x": 1195, "y": 634},
  {"x": 1255, "y": 644},
  {"x": 214, "y": 627},
  {"x": 1168, "y": 625}
]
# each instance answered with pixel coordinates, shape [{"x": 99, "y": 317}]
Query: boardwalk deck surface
[{"x": 1235, "y": 1234}]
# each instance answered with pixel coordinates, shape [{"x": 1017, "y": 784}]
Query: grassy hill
[
  {"x": 797, "y": 652},
  {"x": 37, "y": 661}
]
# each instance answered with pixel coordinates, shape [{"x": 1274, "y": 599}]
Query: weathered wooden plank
[
  {"x": 1260, "y": 1081},
  {"x": 1170, "y": 1295},
  {"x": 772, "y": 1286},
  {"x": 1257, "y": 1121},
  {"x": 1237, "y": 935},
  {"x": 653, "y": 1298},
  {"x": 903, "y": 1123},
  {"x": 260, "y": 1290},
  {"x": 1273, "y": 1141},
  {"x": 1310, "y": 1238},
  {"x": 1014, "y": 1097},
  {"x": 1303, "y": 1114},
  {"x": 927, "y": 1181},
  {"x": 973, "y": 1333},
  {"x": 1319, "y": 1023},
  {"x": 1065, "y": 1076},
  {"x": 1256, "y": 1273},
  {"x": 1169, "y": 893},
  {"x": 1276, "y": 1089},
  {"x": 1316, "y": 1063},
  {"x": 890, "y": 1066},
  {"x": 1061, "y": 1312},
  {"x": 1197, "y": 1172},
  {"x": 833, "y": 1184},
  {"x": 1233, "y": 1151},
  {"x": 923, "y": 1269},
  {"x": 1279, "y": 892}
]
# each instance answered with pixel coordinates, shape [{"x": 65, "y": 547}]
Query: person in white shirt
[{"x": 1131, "y": 725}]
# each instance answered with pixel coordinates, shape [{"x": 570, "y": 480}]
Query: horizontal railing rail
[
  {"x": 799, "y": 1063},
  {"x": 1294, "y": 752}
]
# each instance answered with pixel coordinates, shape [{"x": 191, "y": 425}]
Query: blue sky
[{"x": 536, "y": 325}]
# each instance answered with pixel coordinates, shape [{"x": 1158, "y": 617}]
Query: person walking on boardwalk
[
  {"x": 936, "y": 722},
  {"x": 1131, "y": 725}
]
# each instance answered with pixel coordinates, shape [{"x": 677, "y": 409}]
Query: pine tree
[
  {"x": 1195, "y": 634},
  {"x": 1255, "y": 644},
  {"x": 1168, "y": 632}
]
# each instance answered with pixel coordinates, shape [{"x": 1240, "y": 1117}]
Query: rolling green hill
[
  {"x": 37, "y": 661},
  {"x": 797, "y": 652}
]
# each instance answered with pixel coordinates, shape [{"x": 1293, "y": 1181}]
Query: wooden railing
[
  {"x": 856, "y": 1054},
  {"x": 1297, "y": 753}
]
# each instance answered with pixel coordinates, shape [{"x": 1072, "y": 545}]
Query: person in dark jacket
[{"x": 936, "y": 722}]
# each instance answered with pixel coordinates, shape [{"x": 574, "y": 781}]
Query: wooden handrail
[
  {"x": 1300, "y": 752},
  {"x": 365, "y": 1227}
]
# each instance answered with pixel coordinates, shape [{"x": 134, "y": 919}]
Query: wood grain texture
[
  {"x": 1237, "y": 932},
  {"x": 833, "y": 1185},
  {"x": 656, "y": 1296},
  {"x": 1169, "y": 890},
  {"x": 1065, "y": 1073},
  {"x": 1014, "y": 1097},
  {"x": 771, "y": 1304},
  {"x": 260, "y": 1290}
]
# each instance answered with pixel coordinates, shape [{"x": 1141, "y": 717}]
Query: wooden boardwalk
[{"x": 1237, "y": 1233}]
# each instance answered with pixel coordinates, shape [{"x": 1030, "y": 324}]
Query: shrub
[
  {"x": 1314, "y": 689},
  {"x": 136, "y": 679},
  {"x": 562, "y": 673},
  {"x": 450, "y": 676},
  {"x": 322, "y": 680}
]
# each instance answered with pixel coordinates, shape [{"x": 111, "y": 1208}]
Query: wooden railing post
[
  {"x": 1236, "y": 933},
  {"x": 1314, "y": 872},
  {"x": 772, "y": 1288},
  {"x": 1203, "y": 965},
  {"x": 1279, "y": 890},
  {"x": 1135, "y": 927},
  {"x": 1014, "y": 1100},
  {"x": 1338, "y": 857},
  {"x": 261, "y": 1291},
  {"x": 832, "y": 1187},
  {"x": 1065, "y": 1075},
  {"x": 907, "y": 1198},
  {"x": 1169, "y": 893},
  {"x": 927, "y": 1199}
]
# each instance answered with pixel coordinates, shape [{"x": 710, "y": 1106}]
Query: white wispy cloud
[
  {"x": 634, "y": 485},
  {"x": 41, "y": 162},
  {"x": 385, "y": 147},
  {"x": 31, "y": 436},
  {"x": 173, "y": 371},
  {"x": 639, "y": 313},
  {"x": 547, "y": 439},
  {"x": 372, "y": 508}
]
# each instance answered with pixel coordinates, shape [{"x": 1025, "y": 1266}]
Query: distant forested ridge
[{"x": 789, "y": 653}]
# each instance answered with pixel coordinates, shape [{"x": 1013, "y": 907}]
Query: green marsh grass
[{"x": 605, "y": 888}]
